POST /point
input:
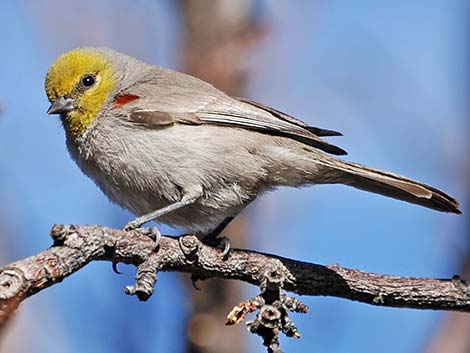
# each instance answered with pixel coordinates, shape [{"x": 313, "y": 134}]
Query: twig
[{"x": 76, "y": 246}]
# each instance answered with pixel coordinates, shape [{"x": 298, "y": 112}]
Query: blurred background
[{"x": 393, "y": 76}]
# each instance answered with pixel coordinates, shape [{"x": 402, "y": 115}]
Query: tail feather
[{"x": 388, "y": 184}]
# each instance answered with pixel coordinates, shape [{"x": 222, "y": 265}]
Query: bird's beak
[{"x": 61, "y": 105}]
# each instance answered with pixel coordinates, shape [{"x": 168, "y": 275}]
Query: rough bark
[{"x": 76, "y": 246}]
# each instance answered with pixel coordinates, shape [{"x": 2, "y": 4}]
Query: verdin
[{"x": 172, "y": 148}]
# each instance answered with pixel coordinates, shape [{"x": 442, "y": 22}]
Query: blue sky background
[{"x": 393, "y": 76}]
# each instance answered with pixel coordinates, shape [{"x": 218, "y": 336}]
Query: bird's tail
[{"x": 387, "y": 184}]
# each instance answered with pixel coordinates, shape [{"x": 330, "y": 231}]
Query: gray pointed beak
[{"x": 61, "y": 105}]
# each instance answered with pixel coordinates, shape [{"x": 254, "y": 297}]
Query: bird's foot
[
  {"x": 151, "y": 232},
  {"x": 132, "y": 225}
]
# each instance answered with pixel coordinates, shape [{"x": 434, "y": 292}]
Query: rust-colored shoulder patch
[{"x": 120, "y": 101}]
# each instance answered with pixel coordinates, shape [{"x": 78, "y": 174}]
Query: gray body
[
  {"x": 144, "y": 160},
  {"x": 231, "y": 173}
]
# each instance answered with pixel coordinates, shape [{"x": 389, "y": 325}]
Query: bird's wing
[
  {"x": 237, "y": 115},
  {"x": 254, "y": 116},
  {"x": 188, "y": 100},
  {"x": 290, "y": 119}
]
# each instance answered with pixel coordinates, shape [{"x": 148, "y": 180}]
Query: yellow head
[{"x": 78, "y": 85}]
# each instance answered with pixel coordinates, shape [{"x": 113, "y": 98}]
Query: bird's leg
[
  {"x": 187, "y": 199},
  {"x": 214, "y": 238}
]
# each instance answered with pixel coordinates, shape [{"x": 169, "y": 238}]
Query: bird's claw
[
  {"x": 219, "y": 242},
  {"x": 194, "y": 279},
  {"x": 151, "y": 232},
  {"x": 115, "y": 268},
  {"x": 225, "y": 243}
]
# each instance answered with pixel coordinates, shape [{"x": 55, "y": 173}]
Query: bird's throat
[{"x": 76, "y": 123}]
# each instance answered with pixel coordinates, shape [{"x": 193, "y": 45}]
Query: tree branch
[{"x": 75, "y": 246}]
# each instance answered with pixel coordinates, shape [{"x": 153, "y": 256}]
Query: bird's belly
[
  {"x": 152, "y": 169},
  {"x": 204, "y": 215},
  {"x": 200, "y": 217}
]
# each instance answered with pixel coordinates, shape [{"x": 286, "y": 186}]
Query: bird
[{"x": 172, "y": 148}]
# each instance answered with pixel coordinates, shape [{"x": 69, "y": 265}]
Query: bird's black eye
[{"x": 88, "y": 80}]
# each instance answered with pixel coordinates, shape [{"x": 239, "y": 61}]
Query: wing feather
[
  {"x": 290, "y": 119},
  {"x": 179, "y": 98}
]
